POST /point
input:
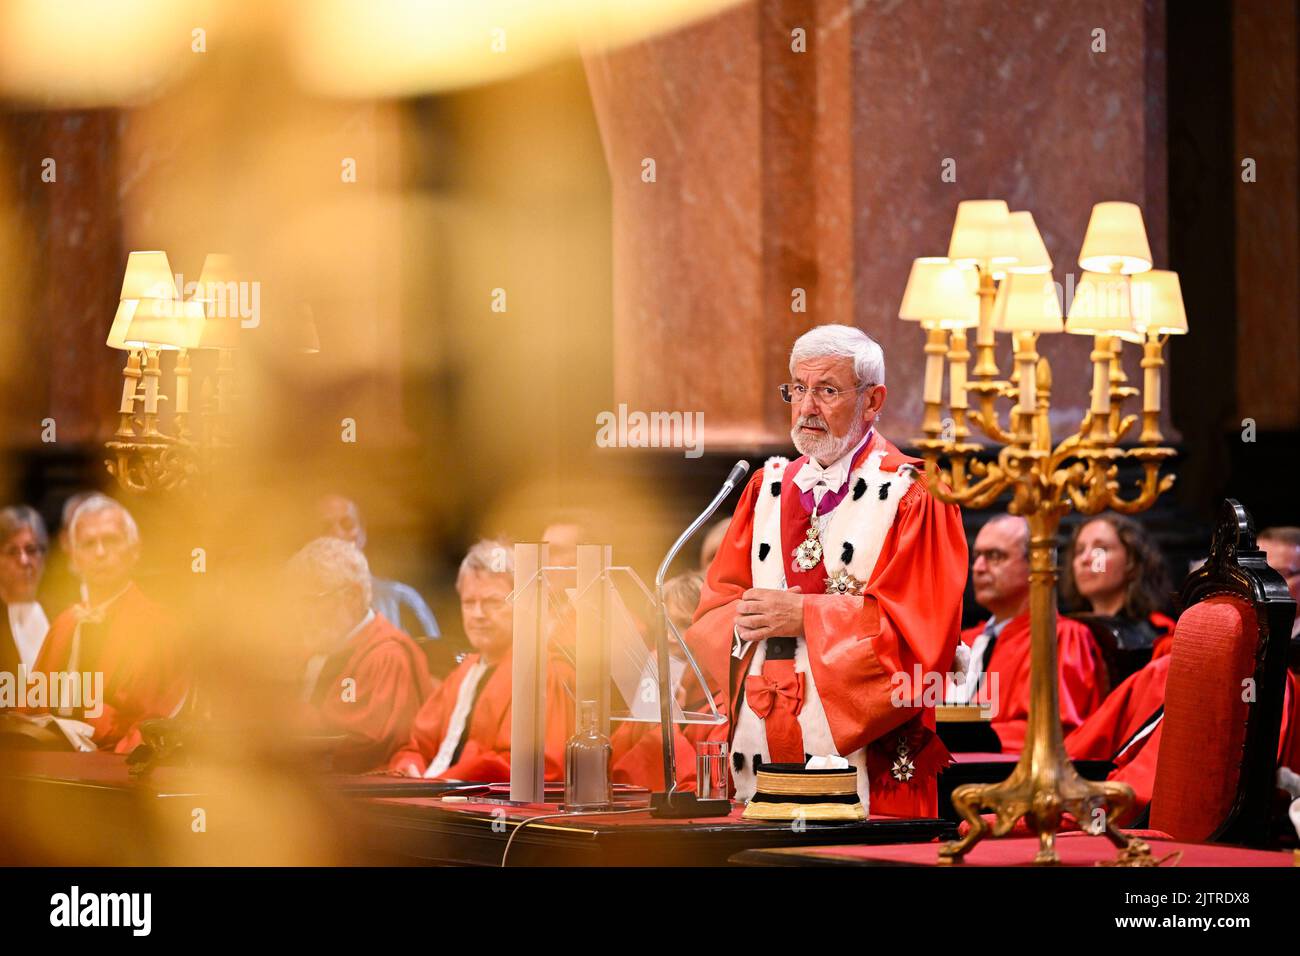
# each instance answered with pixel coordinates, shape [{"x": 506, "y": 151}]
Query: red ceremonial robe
[
  {"x": 1083, "y": 681},
  {"x": 864, "y": 652},
  {"x": 139, "y": 650},
  {"x": 485, "y": 757},
  {"x": 370, "y": 691}
]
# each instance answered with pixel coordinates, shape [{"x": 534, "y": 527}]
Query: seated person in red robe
[
  {"x": 463, "y": 730},
  {"x": 127, "y": 644},
  {"x": 365, "y": 679},
  {"x": 1125, "y": 730},
  {"x": 1114, "y": 569},
  {"x": 998, "y": 673}
]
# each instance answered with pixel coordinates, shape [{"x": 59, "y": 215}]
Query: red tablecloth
[{"x": 1074, "y": 850}]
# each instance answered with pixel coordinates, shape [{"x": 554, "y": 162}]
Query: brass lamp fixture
[
  {"x": 997, "y": 279},
  {"x": 152, "y": 319}
]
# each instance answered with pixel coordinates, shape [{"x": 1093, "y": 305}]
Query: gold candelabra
[
  {"x": 1046, "y": 479},
  {"x": 152, "y": 318}
]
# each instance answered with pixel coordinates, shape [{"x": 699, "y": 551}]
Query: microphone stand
[{"x": 671, "y": 803}]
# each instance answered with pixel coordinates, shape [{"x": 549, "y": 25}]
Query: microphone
[
  {"x": 671, "y": 803},
  {"x": 738, "y": 471}
]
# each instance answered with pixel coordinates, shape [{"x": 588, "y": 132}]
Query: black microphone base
[{"x": 680, "y": 806}]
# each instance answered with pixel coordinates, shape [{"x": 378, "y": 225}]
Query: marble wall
[{"x": 820, "y": 170}]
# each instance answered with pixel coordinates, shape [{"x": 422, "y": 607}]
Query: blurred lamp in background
[{"x": 152, "y": 318}]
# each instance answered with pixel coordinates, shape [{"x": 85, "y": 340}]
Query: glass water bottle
[{"x": 587, "y": 758}]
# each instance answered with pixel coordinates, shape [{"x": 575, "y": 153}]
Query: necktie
[{"x": 988, "y": 650}]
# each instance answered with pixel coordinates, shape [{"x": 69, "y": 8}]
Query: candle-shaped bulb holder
[
  {"x": 131, "y": 375},
  {"x": 936, "y": 348},
  {"x": 986, "y": 365},
  {"x": 1153, "y": 360}
]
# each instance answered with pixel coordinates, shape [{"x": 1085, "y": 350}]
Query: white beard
[{"x": 826, "y": 448}]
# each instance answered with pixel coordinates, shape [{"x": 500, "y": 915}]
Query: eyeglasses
[
  {"x": 796, "y": 392},
  {"x": 32, "y": 551},
  {"x": 991, "y": 556}
]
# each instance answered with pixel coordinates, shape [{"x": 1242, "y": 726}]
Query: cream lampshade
[
  {"x": 1102, "y": 305},
  {"x": 1116, "y": 237},
  {"x": 1031, "y": 251},
  {"x": 166, "y": 324},
  {"x": 1157, "y": 303},
  {"x": 148, "y": 276},
  {"x": 940, "y": 294},
  {"x": 121, "y": 321},
  {"x": 1027, "y": 302},
  {"x": 981, "y": 233}
]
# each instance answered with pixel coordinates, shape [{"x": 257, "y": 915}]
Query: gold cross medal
[{"x": 809, "y": 554}]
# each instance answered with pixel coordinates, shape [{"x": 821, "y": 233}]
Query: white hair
[
  {"x": 488, "y": 556},
  {"x": 94, "y": 504},
  {"x": 842, "y": 341},
  {"x": 333, "y": 564}
]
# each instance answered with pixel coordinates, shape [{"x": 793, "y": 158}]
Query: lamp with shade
[
  {"x": 1120, "y": 298},
  {"x": 943, "y": 297}
]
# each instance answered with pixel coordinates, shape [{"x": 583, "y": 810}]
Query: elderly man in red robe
[
  {"x": 463, "y": 731},
  {"x": 365, "y": 679},
  {"x": 837, "y": 585},
  {"x": 998, "y": 672},
  {"x": 116, "y": 633}
]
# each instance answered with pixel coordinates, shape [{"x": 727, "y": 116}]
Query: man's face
[
  {"x": 22, "y": 562},
  {"x": 487, "y": 615},
  {"x": 1000, "y": 571},
  {"x": 1284, "y": 559},
  {"x": 102, "y": 553},
  {"x": 563, "y": 540},
  {"x": 826, "y": 429},
  {"x": 325, "y": 615},
  {"x": 340, "y": 519}
]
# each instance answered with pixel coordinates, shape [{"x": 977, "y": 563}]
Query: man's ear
[{"x": 875, "y": 402}]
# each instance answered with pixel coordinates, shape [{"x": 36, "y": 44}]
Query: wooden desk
[
  {"x": 1075, "y": 850},
  {"x": 92, "y": 812},
  {"x": 427, "y": 830}
]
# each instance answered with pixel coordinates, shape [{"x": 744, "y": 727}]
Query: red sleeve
[
  {"x": 151, "y": 682},
  {"x": 1084, "y": 682},
  {"x": 489, "y": 761},
  {"x": 910, "y": 614},
  {"x": 711, "y": 635},
  {"x": 430, "y": 722},
  {"x": 639, "y": 756},
  {"x": 1120, "y": 715},
  {"x": 378, "y": 721}
]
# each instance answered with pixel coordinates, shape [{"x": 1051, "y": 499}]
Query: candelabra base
[{"x": 1041, "y": 790}]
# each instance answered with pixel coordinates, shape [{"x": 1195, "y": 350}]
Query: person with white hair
[
  {"x": 115, "y": 630},
  {"x": 365, "y": 679},
  {"x": 463, "y": 731},
  {"x": 834, "y": 601}
]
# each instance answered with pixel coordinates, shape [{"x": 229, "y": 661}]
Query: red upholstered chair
[{"x": 1223, "y": 704}]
